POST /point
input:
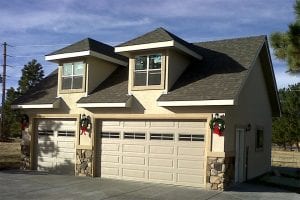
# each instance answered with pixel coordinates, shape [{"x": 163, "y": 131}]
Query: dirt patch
[{"x": 10, "y": 153}]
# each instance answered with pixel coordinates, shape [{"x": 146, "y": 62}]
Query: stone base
[
  {"x": 25, "y": 157},
  {"x": 220, "y": 172},
  {"x": 84, "y": 160}
]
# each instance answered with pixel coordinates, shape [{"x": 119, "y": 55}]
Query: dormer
[
  {"x": 156, "y": 59},
  {"x": 84, "y": 65}
]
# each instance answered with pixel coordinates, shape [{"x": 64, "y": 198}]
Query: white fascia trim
[
  {"x": 100, "y": 105},
  {"x": 224, "y": 102},
  {"x": 107, "y": 58},
  {"x": 145, "y": 46},
  {"x": 105, "y": 105},
  {"x": 67, "y": 55},
  {"x": 187, "y": 50},
  {"x": 33, "y": 106}
]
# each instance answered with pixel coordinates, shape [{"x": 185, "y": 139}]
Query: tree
[
  {"x": 32, "y": 74},
  {"x": 286, "y": 45},
  {"x": 286, "y": 129},
  {"x": 11, "y": 124}
]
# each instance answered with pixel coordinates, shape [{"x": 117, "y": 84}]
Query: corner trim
[{"x": 196, "y": 103}]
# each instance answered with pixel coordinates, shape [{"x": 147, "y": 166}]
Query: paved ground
[{"x": 29, "y": 186}]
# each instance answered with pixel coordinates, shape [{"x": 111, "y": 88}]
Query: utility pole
[{"x": 3, "y": 88}]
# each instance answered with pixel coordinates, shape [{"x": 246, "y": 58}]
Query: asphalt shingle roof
[
  {"x": 92, "y": 45},
  {"x": 43, "y": 93},
  {"x": 220, "y": 74},
  {"x": 112, "y": 90}
]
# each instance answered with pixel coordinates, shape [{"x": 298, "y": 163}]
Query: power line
[{"x": 40, "y": 45}]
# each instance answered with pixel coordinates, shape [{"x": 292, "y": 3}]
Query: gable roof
[
  {"x": 112, "y": 91},
  {"x": 86, "y": 46},
  {"x": 43, "y": 94},
  {"x": 220, "y": 74},
  {"x": 160, "y": 37}
]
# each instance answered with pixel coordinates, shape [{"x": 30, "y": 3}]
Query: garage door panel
[
  {"x": 110, "y": 158},
  {"x": 169, "y": 151},
  {"x": 190, "y": 164},
  {"x": 155, "y": 149},
  {"x": 134, "y": 124},
  {"x": 161, "y": 176},
  {"x": 56, "y": 153},
  {"x": 110, "y": 147},
  {"x": 186, "y": 178},
  {"x": 190, "y": 151},
  {"x": 133, "y": 160},
  {"x": 133, "y": 173},
  {"x": 66, "y": 144},
  {"x": 110, "y": 171},
  {"x": 162, "y": 124},
  {"x": 133, "y": 148},
  {"x": 161, "y": 162}
]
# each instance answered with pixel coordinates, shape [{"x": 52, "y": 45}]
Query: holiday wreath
[
  {"x": 84, "y": 123},
  {"x": 217, "y": 125},
  {"x": 24, "y": 122}
]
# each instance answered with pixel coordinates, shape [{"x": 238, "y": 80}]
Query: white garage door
[
  {"x": 56, "y": 146},
  {"x": 155, "y": 151}
]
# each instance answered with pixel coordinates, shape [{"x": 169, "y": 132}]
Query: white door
[
  {"x": 154, "y": 151},
  {"x": 240, "y": 155},
  {"x": 56, "y": 146}
]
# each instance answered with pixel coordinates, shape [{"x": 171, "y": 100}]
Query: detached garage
[
  {"x": 155, "y": 151},
  {"x": 56, "y": 146}
]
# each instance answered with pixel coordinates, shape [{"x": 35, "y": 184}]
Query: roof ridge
[{"x": 230, "y": 39}]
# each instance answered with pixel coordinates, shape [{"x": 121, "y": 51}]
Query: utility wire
[{"x": 40, "y": 45}]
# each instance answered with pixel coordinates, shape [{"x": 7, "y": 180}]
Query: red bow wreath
[{"x": 217, "y": 125}]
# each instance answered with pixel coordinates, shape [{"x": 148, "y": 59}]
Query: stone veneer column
[
  {"x": 220, "y": 172},
  {"x": 25, "y": 150},
  {"x": 84, "y": 160}
]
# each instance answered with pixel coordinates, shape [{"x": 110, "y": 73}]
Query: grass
[{"x": 10, "y": 153}]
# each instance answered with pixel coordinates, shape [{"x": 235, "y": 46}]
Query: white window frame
[
  {"x": 147, "y": 70},
  {"x": 71, "y": 90}
]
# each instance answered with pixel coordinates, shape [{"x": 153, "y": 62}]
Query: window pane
[
  {"x": 66, "y": 83},
  {"x": 140, "y": 78},
  {"x": 141, "y": 63},
  {"x": 77, "y": 82},
  {"x": 154, "y": 77},
  {"x": 78, "y": 68},
  {"x": 67, "y": 69},
  {"x": 154, "y": 61}
]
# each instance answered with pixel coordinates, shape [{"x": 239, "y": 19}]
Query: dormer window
[
  {"x": 148, "y": 70},
  {"x": 72, "y": 77}
]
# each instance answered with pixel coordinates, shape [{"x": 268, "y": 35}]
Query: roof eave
[
  {"x": 156, "y": 45},
  {"x": 57, "y": 57},
  {"x": 55, "y": 104},
  {"x": 126, "y": 104},
  {"x": 223, "y": 102}
]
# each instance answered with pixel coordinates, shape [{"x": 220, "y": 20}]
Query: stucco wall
[
  {"x": 177, "y": 63},
  {"x": 97, "y": 71},
  {"x": 253, "y": 108}
]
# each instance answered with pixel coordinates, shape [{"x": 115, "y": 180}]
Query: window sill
[
  {"x": 71, "y": 91},
  {"x": 152, "y": 87}
]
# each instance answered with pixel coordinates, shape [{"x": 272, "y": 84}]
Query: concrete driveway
[{"x": 34, "y": 185}]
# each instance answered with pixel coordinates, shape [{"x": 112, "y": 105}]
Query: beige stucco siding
[
  {"x": 254, "y": 108},
  {"x": 98, "y": 71},
  {"x": 177, "y": 63}
]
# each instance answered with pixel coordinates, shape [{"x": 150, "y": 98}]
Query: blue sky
[{"x": 37, "y": 27}]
